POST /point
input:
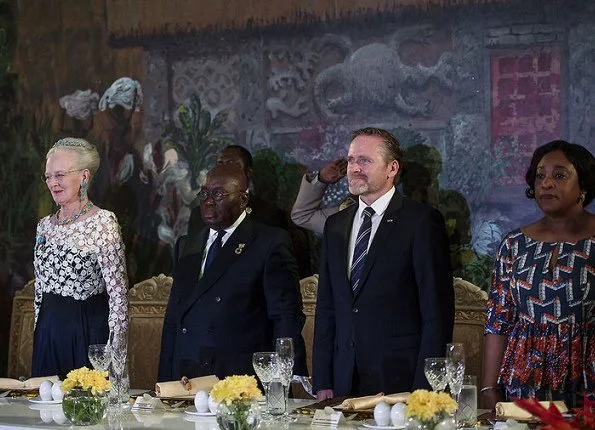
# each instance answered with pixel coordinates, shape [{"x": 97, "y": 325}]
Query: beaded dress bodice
[{"x": 80, "y": 260}]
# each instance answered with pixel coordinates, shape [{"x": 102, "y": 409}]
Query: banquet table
[{"x": 20, "y": 413}]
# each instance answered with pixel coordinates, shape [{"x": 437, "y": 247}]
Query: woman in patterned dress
[
  {"x": 540, "y": 329},
  {"x": 80, "y": 271}
]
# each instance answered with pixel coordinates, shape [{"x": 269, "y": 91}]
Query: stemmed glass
[
  {"x": 285, "y": 351},
  {"x": 455, "y": 368},
  {"x": 435, "y": 371},
  {"x": 265, "y": 365},
  {"x": 118, "y": 347},
  {"x": 99, "y": 356}
]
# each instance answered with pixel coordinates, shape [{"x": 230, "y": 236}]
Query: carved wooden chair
[
  {"x": 147, "y": 301},
  {"x": 20, "y": 348},
  {"x": 309, "y": 288},
  {"x": 470, "y": 317}
]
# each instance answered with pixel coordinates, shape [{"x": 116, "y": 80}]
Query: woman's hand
[{"x": 489, "y": 398}]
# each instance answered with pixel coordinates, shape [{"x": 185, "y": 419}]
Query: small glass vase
[
  {"x": 82, "y": 408},
  {"x": 237, "y": 415}
]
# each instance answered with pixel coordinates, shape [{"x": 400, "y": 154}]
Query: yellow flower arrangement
[
  {"x": 86, "y": 379},
  {"x": 236, "y": 387},
  {"x": 235, "y": 395},
  {"x": 430, "y": 407}
]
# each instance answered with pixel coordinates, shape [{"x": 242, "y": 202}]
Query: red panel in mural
[{"x": 526, "y": 104}]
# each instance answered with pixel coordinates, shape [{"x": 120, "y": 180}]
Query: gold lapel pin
[{"x": 240, "y": 248}]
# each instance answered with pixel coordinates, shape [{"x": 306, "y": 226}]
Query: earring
[
  {"x": 582, "y": 197},
  {"x": 83, "y": 190}
]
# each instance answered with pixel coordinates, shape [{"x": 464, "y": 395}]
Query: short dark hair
[
  {"x": 579, "y": 156},
  {"x": 244, "y": 154},
  {"x": 391, "y": 146}
]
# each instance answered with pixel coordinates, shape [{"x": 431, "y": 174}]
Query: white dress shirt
[
  {"x": 379, "y": 207},
  {"x": 213, "y": 235}
]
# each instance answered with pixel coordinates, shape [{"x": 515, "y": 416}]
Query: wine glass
[
  {"x": 284, "y": 348},
  {"x": 266, "y": 367},
  {"x": 285, "y": 351},
  {"x": 455, "y": 369},
  {"x": 435, "y": 371},
  {"x": 118, "y": 347},
  {"x": 99, "y": 356}
]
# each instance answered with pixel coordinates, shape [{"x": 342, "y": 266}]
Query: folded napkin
[
  {"x": 29, "y": 384},
  {"x": 176, "y": 389},
  {"x": 369, "y": 402},
  {"x": 509, "y": 410}
]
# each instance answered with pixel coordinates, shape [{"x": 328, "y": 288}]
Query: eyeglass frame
[
  {"x": 58, "y": 176},
  {"x": 217, "y": 195}
]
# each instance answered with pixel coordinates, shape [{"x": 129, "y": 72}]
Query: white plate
[
  {"x": 44, "y": 402},
  {"x": 192, "y": 411},
  {"x": 42, "y": 407},
  {"x": 371, "y": 424}
]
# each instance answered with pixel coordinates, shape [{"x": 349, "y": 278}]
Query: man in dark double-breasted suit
[
  {"x": 235, "y": 289},
  {"x": 385, "y": 296}
]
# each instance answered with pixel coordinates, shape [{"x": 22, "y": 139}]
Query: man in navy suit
[
  {"x": 235, "y": 289},
  {"x": 261, "y": 210},
  {"x": 385, "y": 295}
]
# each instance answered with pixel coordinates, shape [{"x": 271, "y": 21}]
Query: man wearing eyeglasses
[
  {"x": 261, "y": 210},
  {"x": 234, "y": 293}
]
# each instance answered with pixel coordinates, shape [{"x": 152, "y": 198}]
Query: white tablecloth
[{"x": 19, "y": 413}]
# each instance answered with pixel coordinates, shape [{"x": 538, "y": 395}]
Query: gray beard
[{"x": 357, "y": 190}]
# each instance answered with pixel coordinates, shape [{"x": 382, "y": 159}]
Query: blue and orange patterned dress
[{"x": 547, "y": 312}]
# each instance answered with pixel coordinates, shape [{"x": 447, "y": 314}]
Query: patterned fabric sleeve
[
  {"x": 502, "y": 311},
  {"x": 38, "y": 292},
  {"x": 113, "y": 269}
]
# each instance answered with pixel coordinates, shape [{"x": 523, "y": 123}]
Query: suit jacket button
[
  {"x": 217, "y": 299},
  {"x": 184, "y": 331},
  {"x": 355, "y": 310}
]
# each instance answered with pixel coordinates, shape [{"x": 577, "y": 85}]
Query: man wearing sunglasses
[{"x": 235, "y": 289}]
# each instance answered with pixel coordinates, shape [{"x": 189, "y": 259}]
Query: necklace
[{"x": 74, "y": 217}]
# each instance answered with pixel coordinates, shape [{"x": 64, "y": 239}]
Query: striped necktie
[
  {"x": 215, "y": 246},
  {"x": 361, "y": 247}
]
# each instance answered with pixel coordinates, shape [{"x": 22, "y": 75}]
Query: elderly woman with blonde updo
[{"x": 80, "y": 271}]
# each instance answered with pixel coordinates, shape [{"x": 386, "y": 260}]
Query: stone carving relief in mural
[
  {"x": 224, "y": 82},
  {"x": 375, "y": 76},
  {"x": 215, "y": 81},
  {"x": 290, "y": 72},
  {"x": 582, "y": 76}
]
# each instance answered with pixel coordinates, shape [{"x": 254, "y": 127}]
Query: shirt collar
[
  {"x": 379, "y": 205},
  {"x": 232, "y": 227}
]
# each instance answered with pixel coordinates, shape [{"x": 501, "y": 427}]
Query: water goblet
[
  {"x": 455, "y": 369},
  {"x": 265, "y": 365},
  {"x": 285, "y": 350},
  {"x": 99, "y": 356},
  {"x": 118, "y": 346},
  {"x": 435, "y": 371}
]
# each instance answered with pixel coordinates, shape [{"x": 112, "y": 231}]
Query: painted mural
[
  {"x": 468, "y": 99},
  {"x": 469, "y": 91}
]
